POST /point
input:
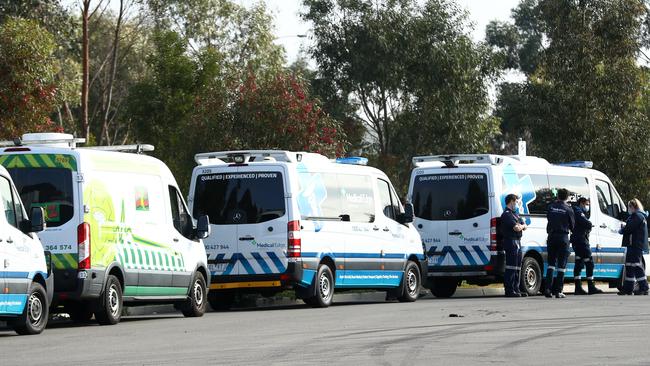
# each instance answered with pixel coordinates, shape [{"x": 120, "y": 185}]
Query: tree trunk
[
  {"x": 116, "y": 41},
  {"x": 85, "y": 126}
]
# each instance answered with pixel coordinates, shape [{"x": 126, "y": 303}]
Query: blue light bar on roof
[
  {"x": 353, "y": 160},
  {"x": 578, "y": 164}
]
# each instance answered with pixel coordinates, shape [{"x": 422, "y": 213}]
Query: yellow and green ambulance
[{"x": 117, "y": 226}]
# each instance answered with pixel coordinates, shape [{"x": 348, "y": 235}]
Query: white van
[
  {"x": 25, "y": 280},
  {"x": 458, "y": 201},
  {"x": 117, "y": 226},
  {"x": 299, "y": 220}
]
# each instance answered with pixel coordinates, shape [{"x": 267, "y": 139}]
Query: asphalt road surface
[{"x": 588, "y": 330}]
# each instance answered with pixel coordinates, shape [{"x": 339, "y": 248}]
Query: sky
[{"x": 289, "y": 25}]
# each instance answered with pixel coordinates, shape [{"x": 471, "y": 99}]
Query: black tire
[
  {"x": 80, "y": 312},
  {"x": 195, "y": 305},
  {"x": 108, "y": 309},
  {"x": 444, "y": 287},
  {"x": 221, "y": 300},
  {"x": 324, "y": 288},
  {"x": 531, "y": 277},
  {"x": 410, "y": 283},
  {"x": 34, "y": 318}
]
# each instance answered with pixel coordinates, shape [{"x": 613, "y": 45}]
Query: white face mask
[{"x": 586, "y": 208}]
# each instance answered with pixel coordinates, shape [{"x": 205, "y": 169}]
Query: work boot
[
  {"x": 548, "y": 293},
  {"x": 560, "y": 295},
  {"x": 579, "y": 290},
  {"x": 593, "y": 289}
]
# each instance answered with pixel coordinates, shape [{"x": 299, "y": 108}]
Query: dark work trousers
[
  {"x": 583, "y": 260},
  {"x": 558, "y": 254},
  {"x": 634, "y": 270},
  {"x": 513, "y": 266}
]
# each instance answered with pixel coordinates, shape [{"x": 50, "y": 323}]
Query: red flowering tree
[
  {"x": 279, "y": 114},
  {"x": 28, "y": 94}
]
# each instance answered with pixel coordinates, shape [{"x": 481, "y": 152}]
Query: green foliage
[
  {"x": 412, "y": 71},
  {"x": 585, "y": 97},
  {"x": 28, "y": 92}
]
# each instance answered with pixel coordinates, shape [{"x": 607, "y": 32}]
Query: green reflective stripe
[
  {"x": 39, "y": 161},
  {"x": 64, "y": 260},
  {"x": 160, "y": 261},
  {"x": 154, "y": 291},
  {"x": 148, "y": 242}
]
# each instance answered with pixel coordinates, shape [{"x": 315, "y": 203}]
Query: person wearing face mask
[
  {"x": 560, "y": 223},
  {"x": 635, "y": 239},
  {"x": 580, "y": 243},
  {"x": 512, "y": 227}
]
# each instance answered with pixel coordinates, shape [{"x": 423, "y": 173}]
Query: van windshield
[
  {"x": 50, "y": 188},
  {"x": 239, "y": 198},
  {"x": 458, "y": 196}
]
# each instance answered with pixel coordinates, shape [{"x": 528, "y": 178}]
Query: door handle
[
  {"x": 246, "y": 238},
  {"x": 175, "y": 240},
  {"x": 455, "y": 232},
  {"x": 376, "y": 228},
  {"x": 10, "y": 241},
  {"x": 386, "y": 229},
  {"x": 603, "y": 226}
]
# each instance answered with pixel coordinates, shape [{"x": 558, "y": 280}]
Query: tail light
[
  {"x": 493, "y": 234},
  {"x": 83, "y": 245},
  {"x": 294, "y": 242}
]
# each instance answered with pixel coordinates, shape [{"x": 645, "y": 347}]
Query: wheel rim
[
  {"x": 198, "y": 293},
  {"x": 325, "y": 286},
  {"x": 113, "y": 301},
  {"x": 35, "y": 309},
  {"x": 530, "y": 277},
  {"x": 412, "y": 282}
]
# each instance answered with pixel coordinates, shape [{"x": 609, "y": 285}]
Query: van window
[
  {"x": 50, "y": 188},
  {"x": 7, "y": 202},
  {"x": 357, "y": 197},
  {"x": 240, "y": 198},
  {"x": 458, "y": 196},
  {"x": 180, "y": 215},
  {"x": 577, "y": 186},
  {"x": 606, "y": 199},
  {"x": 389, "y": 204},
  {"x": 543, "y": 195}
]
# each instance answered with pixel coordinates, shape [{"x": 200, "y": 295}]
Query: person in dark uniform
[
  {"x": 635, "y": 239},
  {"x": 580, "y": 244},
  {"x": 512, "y": 227},
  {"x": 560, "y": 223}
]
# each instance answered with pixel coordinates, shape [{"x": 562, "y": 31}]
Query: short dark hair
[
  {"x": 583, "y": 200},
  {"x": 562, "y": 194},
  {"x": 511, "y": 197}
]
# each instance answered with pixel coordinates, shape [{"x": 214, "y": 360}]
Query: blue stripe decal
[
  {"x": 15, "y": 274},
  {"x": 278, "y": 263},
  {"x": 309, "y": 255},
  {"x": 455, "y": 257},
  {"x": 468, "y": 255},
  {"x": 395, "y": 256},
  {"x": 231, "y": 264},
  {"x": 261, "y": 262},
  {"x": 479, "y": 252},
  {"x": 12, "y": 303},
  {"x": 247, "y": 266}
]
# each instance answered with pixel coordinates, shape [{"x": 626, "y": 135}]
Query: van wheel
[
  {"x": 444, "y": 287},
  {"x": 221, "y": 300},
  {"x": 80, "y": 312},
  {"x": 410, "y": 283},
  {"x": 34, "y": 318},
  {"x": 324, "y": 288},
  {"x": 195, "y": 305},
  {"x": 530, "y": 276},
  {"x": 108, "y": 309}
]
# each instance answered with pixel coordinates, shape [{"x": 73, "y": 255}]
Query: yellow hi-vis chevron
[
  {"x": 64, "y": 260},
  {"x": 38, "y": 161}
]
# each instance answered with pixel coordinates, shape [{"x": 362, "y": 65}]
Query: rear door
[
  {"x": 395, "y": 242},
  {"x": 50, "y": 180},
  {"x": 466, "y": 205},
  {"x": 263, "y": 219},
  {"x": 431, "y": 215}
]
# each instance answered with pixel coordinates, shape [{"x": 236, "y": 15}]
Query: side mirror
[
  {"x": 407, "y": 216},
  {"x": 37, "y": 220},
  {"x": 203, "y": 227}
]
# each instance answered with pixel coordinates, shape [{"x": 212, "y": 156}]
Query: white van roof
[
  {"x": 452, "y": 160},
  {"x": 64, "y": 140},
  {"x": 226, "y": 157}
]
